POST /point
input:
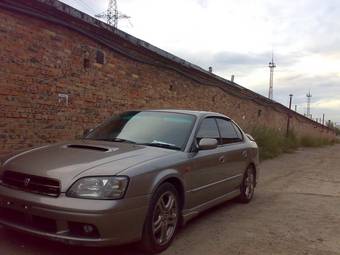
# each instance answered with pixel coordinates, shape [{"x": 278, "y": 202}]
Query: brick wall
[{"x": 40, "y": 60}]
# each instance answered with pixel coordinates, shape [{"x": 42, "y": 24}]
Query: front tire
[
  {"x": 162, "y": 220},
  {"x": 247, "y": 187}
]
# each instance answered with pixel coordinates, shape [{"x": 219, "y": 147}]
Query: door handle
[
  {"x": 221, "y": 159},
  {"x": 245, "y": 154}
]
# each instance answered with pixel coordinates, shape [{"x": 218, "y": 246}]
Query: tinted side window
[
  {"x": 238, "y": 131},
  {"x": 208, "y": 129},
  {"x": 228, "y": 132}
]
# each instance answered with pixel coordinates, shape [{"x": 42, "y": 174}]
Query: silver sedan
[{"x": 137, "y": 177}]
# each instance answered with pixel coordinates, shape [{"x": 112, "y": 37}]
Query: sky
[{"x": 238, "y": 38}]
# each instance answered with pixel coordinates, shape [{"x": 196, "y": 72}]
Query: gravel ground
[{"x": 296, "y": 210}]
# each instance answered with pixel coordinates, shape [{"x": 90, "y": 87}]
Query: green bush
[
  {"x": 337, "y": 131},
  {"x": 308, "y": 141},
  {"x": 272, "y": 143},
  {"x": 291, "y": 142}
]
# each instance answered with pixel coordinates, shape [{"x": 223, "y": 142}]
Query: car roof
[{"x": 192, "y": 112}]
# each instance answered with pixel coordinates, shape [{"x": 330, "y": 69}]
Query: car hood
[{"x": 70, "y": 161}]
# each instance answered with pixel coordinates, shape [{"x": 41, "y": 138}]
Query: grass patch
[
  {"x": 272, "y": 143},
  {"x": 307, "y": 141}
]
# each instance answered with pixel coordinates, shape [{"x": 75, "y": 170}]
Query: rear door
[{"x": 234, "y": 153}]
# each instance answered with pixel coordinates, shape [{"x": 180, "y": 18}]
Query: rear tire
[
  {"x": 162, "y": 220},
  {"x": 247, "y": 187}
]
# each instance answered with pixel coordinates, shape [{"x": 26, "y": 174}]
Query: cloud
[
  {"x": 327, "y": 104},
  {"x": 203, "y": 3},
  {"x": 225, "y": 59},
  {"x": 237, "y": 37}
]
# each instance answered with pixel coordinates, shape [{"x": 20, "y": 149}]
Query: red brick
[{"x": 39, "y": 60}]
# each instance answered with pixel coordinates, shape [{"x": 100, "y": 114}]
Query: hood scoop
[{"x": 87, "y": 147}]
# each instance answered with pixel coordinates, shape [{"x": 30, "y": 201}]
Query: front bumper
[{"x": 62, "y": 219}]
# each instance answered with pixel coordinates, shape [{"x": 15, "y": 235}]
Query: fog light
[
  {"x": 88, "y": 229},
  {"x": 83, "y": 230}
]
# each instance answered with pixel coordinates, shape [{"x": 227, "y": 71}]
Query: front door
[{"x": 207, "y": 167}]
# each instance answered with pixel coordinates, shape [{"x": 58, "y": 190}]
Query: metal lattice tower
[
  {"x": 309, "y": 97},
  {"x": 271, "y": 77},
  {"x": 112, "y": 15}
]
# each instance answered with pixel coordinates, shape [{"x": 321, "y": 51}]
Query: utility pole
[
  {"x": 289, "y": 114},
  {"x": 272, "y": 65},
  {"x": 323, "y": 119},
  {"x": 290, "y": 101},
  {"x": 112, "y": 15}
]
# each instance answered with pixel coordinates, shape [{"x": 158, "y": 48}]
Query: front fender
[
  {"x": 145, "y": 183},
  {"x": 164, "y": 175}
]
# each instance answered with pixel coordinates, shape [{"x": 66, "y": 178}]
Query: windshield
[{"x": 159, "y": 129}]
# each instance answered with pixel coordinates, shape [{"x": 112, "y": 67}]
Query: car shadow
[
  {"x": 33, "y": 245},
  {"x": 209, "y": 214},
  {"x": 26, "y": 244}
]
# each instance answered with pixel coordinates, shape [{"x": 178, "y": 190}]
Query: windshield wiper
[
  {"x": 162, "y": 145},
  {"x": 121, "y": 140},
  {"x": 118, "y": 140}
]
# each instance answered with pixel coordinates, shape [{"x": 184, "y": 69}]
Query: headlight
[{"x": 108, "y": 187}]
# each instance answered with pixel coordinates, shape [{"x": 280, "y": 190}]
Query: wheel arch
[
  {"x": 174, "y": 178},
  {"x": 177, "y": 183}
]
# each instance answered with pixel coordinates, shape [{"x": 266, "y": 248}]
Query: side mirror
[
  {"x": 87, "y": 131},
  {"x": 207, "y": 144}
]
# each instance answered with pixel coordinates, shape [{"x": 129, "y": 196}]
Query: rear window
[{"x": 228, "y": 131}]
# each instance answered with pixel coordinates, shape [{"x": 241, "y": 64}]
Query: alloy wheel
[
  {"x": 249, "y": 184},
  {"x": 165, "y": 218}
]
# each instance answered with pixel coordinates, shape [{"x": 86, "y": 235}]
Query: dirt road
[{"x": 296, "y": 210}]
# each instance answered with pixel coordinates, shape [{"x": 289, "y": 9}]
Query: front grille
[{"x": 31, "y": 183}]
